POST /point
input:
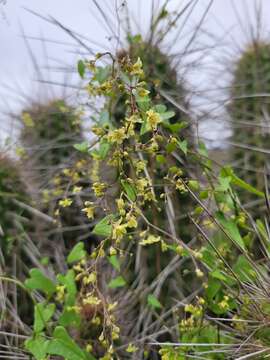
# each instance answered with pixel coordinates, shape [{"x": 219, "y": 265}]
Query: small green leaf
[
  {"x": 231, "y": 229},
  {"x": 104, "y": 149},
  {"x": 102, "y": 73},
  {"x": 104, "y": 118},
  {"x": 69, "y": 318},
  {"x": 160, "y": 108},
  {"x": 117, "y": 282},
  {"x": 114, "y": 261},
  {"x": 170, "y": 147},
  {"x": 262, "y": 230},
  {"x": 217, "y": 274},
  {"x": 145, "y": 127},
  {"x": 135, "y": 39},
  {"x": 235, "y": 180},
  {"x": 104, "y": 227},
  {"x": 82, "y": 147},
  {"x": 161, "y": 159},
  {"x": 194, "y": 185},
  {"x": 175, "y": 128},
  {"x": 63, "y": 345},
  {"x": 143, "y": 104},
  {"x": 183, "y": 146},
  {"x": 77, "y": 253},
  {"x": 167, "y": 115},
  {"x": 208, "y": 257},
  {"x": 45, "y": 261},
  {"x": 244, "y": 269},
  {"x": 37, "y": 347},
  {"x": 163, "y": 13},
  {"x": 125, "y": 78},
  {"x": 224, "y": 183},
  {"x": 153, "y": 301},
  {"x": 129, "y": 190},
  {"x": 42, "y": 315},
  {"x": 81, "y": 68},
  {"x": 202, "y": 149},
  {"x": 38, "y": 281},
  {"x": 204, "y": 194},
  {"x": 214, "y": 286}
]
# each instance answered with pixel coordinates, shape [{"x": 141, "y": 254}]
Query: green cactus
[
  {"x": 16, "y": 223},
  {"x": 48, "y": 134},
  {"x": 12, "y": 190},
  {"x": 249, "y": 110}
]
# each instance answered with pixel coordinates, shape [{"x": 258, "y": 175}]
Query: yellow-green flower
[
  {"x": 112, "y": 306},
  {"x": 65, "y": 202},
  {"x": 131, "y": 348},
  {"x": 27, "y": 120},
  {"x": 140, "y": 166},
  {"x": 224, "y": 303},
  {"x": 121, "y": 206},
  {"x": 99, "y": 188},
  {"x": 180, "y": 186},
  {"x": 136, "y": 68},
  {"x": 89, "y": 348},
  {"x": 153, "y": 119},
  {"x": 132, "y": 222},
  {"x": 179, "y": 250},
  {"x": 151, "y": 239},
  {"x": 76, "y": 189},
  {"x": 89, "y": 210},
  {"x": 90, "y": 279},
  {"x": 106, "y": 87},
  {"x": 119, "y": 230},
  {"x": 60, "y": 293},
  {"x": 57, "y": 180},
  {"x": 97, "y": 130},
  {"x": 20, "y": 151},
  {"x": 117, "y": 136},
  {"x": 91, "y": 300},
  {"x": 67, "y": 172},
  {"x": 194, "y": 310},
  {"x": 141, "y": 184},
  {"x": 112, "y": 251},
  {"x": 96, "y": 320},
  {"x": 142, "y": 92},
  {"x": 199, "y": 273},
  {"x": 115, "y": 332}
]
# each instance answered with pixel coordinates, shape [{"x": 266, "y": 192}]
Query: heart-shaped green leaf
[
  {"x": 103, "y": 228},
  {"x": 81, "y": 68},
  {"x": 117, "y": 282},
  {"x": 37, "y": 347},
  {"x": 63, "y": 345},
  {"x": 129, "y": 190},
  {"x": 153, "y": 301},
  {"x": 43, "y": 314},
  {"x": 77, "y": 253},
  {"x": 38, "y": 281},
  {"x": 82, "y": 147}
]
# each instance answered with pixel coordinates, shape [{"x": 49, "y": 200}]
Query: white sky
[{"x": 228, "y": 22}]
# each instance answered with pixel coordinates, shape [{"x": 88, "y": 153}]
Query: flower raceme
[{"x": 138, "y": 171}]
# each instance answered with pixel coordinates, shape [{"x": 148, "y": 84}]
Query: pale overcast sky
[{"x": 227, "y": 22}]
